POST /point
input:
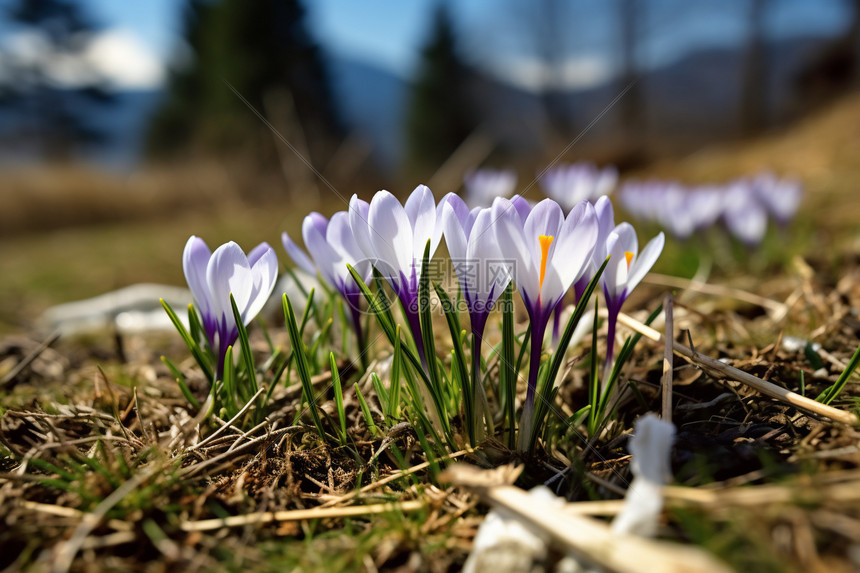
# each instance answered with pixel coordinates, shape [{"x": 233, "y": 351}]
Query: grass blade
[
  {"x": 338, "y": 397},
  {"x": 507, "y": 369},
  {"x": 302, "y": 365},
  {"x": 828, "y": 395},
  {"x": 459, "y": 362},
  {"x": 198, "y": 354},
  {"x": 245, "y": 347},
  {"x": 365, "y": 411}
]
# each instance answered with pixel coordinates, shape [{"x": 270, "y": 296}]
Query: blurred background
[{"x": 125, "y": 127}]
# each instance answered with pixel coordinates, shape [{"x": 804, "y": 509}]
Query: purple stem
[
  {"x": 539, "y": 318},
  {"x": 613, "y": 307},
  {"x": 410, "y": 308}
]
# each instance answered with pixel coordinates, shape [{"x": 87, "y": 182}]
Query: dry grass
[{"x": 154, "y": 482}]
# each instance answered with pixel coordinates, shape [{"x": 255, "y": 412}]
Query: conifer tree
[
  {"x": 441, "y": 114},
  {"x": 262, "y": 49},
  {"x": 52, "y": 119}
]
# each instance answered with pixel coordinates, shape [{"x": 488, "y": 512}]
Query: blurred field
[{"x": 70, "y": 233}]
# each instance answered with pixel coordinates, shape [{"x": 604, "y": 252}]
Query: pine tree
[
  {"x": 441, "y": 114},
  {"x": 52, "y": 119},
  {"x": 265, "y": 52}
]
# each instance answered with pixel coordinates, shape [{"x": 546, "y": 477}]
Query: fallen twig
[
  {"x": 589, "y": 539},
  {"x": 302, "y": 514},
  {"x": 12, "y": 374},
  {"x": 722, "y": 370},
  {"x": 668, "y": 356}
]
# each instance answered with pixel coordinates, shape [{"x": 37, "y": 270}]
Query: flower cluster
[
  {"x": 539, "y": 248},
  {"x": 744, "y": 205},
  {"x": 571, "y": 183}
]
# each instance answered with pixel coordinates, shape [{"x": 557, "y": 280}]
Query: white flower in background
[
  {"x": 484, "y": 185},
  {"x": 570, "y": 184},
  {"x": 781, "y": 196},
  {"x": 745, "y": 215}
]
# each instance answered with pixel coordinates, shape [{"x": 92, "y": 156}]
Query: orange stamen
[
  {"x": 545, "y": 242},
  {"x": 629, "y": 256}
]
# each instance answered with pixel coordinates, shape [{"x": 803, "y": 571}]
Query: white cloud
[
  {"x": 120, "y": 56},
  {"x": 116, "y": 56},
  {"x": 575, "y": 73}
]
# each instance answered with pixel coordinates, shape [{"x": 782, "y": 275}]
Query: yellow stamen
[
  {"x": 545, "y": 242},
  {"x": 629, "y": 256}
]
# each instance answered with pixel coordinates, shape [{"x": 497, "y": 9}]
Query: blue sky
[{"x": 389, "y": 33}]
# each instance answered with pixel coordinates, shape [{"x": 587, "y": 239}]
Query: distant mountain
[
  {"x": 120, "y": 123},
  {"x": 691, "y": 102},
  {"x": 373, "y": 104},
  {"x": 125, "y": 122},
  {"x": 688, "y": 104}
]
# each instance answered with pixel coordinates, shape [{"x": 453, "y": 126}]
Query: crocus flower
[
  {"x": 480, "y": 268},
  {"x": 484, "y": 185},
  {"x": 745, "y": 215},
  {"x": 626, "y": 268},
  {"x": 332, "y": 246},
  {"x": 780, "y": 196},
  {"x": 570, "y": 184},
  {"x": 523, "y": 207},
  {"x": 476, "y": 257},
  {"x": 213, "y": 277},
  {"x": 605, "y": 225},
  {"x": 393, "y": 237},
  {"x": 549, "y": 253}
]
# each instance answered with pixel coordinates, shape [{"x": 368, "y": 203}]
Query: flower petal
[
  {"x": 229, "y": 272},
  {"x": 574, "y": 245},
  {"x": 264, "y": 273},
  {"x": 195, "y": 259},
  {"x": 391, "y": 236},
  {"x": 620, "y": 241},
  {"x": 645, "y": 260},
  {"x": 544, "y": 219},
  {"x": 342, "y": 240},
  {"x": 461, "y": 210},
  {"x": 455, "y": 236},
  {"x": 522, "y": 206},
  {"x": 325, "y": 257},
  {"x": 491, "y": 271},
  {"x": 359, "y": 223},
  {"x": 420, "y": 207},
  {"x": 298, "y": 255},
  {"x": 508, "y": 231},
  {"x": 258, "y": 252}
]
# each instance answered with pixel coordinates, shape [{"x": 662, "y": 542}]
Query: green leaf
[
  {"x": 381, "y": 392},
  {"x": 338, "y": 397},
  {"x": 830, "y": 394},
  {"x": 426, "y": 318},
  {"x": 302, "y": 365},
  {"x": 198, "y": 354},
  {"x": 507, "y": 369},
  {"x": 365, "y": 410},
  {"x": 307, "y": 313},
  {"x": 544, "y": 401},
  {"x": 392, "y": 412},
  {"x": 384, "y": 318},
  {"x": 459, "y": 362},
  {"x": 245, "y": 347},
  {"x": 180, "y": 381}
]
